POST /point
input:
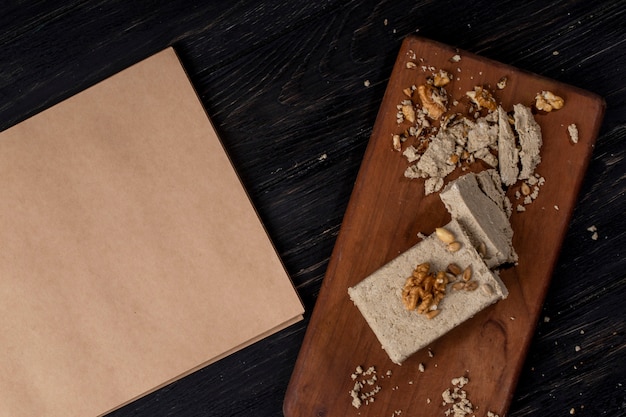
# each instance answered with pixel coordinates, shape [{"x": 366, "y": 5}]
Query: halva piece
[
  {"x": 508, "y": 157},
  {"x": 530, "y": 140},
  {"x": 485, "y": 221},
  {"x": 434, "y": 164},
  {"x": 402, "y": 332}
]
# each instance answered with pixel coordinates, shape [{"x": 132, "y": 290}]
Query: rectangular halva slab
[
  {"x": 402, "y": 332},
  {"x": 481, "y": 216}
]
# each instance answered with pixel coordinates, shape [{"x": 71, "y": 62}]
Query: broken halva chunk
[
  {"x": 530, "y": 140},
  {"x": 507, "y": 150},
  {"x": 486, "y": 222}
]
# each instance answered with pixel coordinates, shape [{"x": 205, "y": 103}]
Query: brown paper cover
[{"x": 131, "y": 254}]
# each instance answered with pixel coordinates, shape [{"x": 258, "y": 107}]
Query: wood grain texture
[{"x": 284, "y": 85}]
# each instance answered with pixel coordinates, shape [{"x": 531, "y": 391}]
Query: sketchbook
[{"x": 131, "y": 254}]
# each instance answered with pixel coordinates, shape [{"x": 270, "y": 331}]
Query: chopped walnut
[
  {"x": 502, "y": 83},
  {"x": 408, "y": 111},
  {"x": 441, "y": 79},
  {"x": 482, "y": 98},
  {"x": 433, "y": 100},
  {"x": 424, "y": 290},
  {"x": 548, "y": 101}
]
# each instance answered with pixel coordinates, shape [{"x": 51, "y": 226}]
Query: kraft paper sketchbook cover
[{"x": 131, "y": 254}]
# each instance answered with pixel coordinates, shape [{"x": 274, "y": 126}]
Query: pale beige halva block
[
  {"x": 490, "y": 183},
  {"x": 402, "y": 332},
  {"x": 530, "y": 139},
  {"x": 508, "y": 156},
  {"x": 485, "y": 222},
  {"x": 481, "y": 135},
  {"x": 435, "y": 161}
]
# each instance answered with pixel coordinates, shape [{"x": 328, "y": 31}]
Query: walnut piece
[
  {"x": 548, "y": 101},
  {"x": 502, "y": 83},
  {"x": 441, "y": 79},
  {"x": 482, "y": 98},
  {"x": 424, "y": 290},
  {"x": 408, "y": 112},
  {"x": 433, "y": 100}
]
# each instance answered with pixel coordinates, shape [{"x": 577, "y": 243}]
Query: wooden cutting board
[{"x": 385, "y": 214}]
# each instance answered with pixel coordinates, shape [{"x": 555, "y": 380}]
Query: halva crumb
[
  {"x": 573, "y": 132},
  {"x": 457, "y": 400},
  {"x": 529, "y": 190},
  {"x": 365, "y": 387},
  {"x": 594, "y": 232}
]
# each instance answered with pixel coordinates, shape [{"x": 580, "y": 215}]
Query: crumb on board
[
  {"x": 365, "y": 387},
  {"x": 457, "y": 400},
  {"x": 573, "y": 132}
]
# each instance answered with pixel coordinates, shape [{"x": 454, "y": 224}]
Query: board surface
[{"x": 385, "y": 214}]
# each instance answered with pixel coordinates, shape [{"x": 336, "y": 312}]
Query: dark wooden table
[{"x": 286, "y": 87}]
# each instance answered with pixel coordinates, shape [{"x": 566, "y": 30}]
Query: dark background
[{"x": 284, "y": 85}]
